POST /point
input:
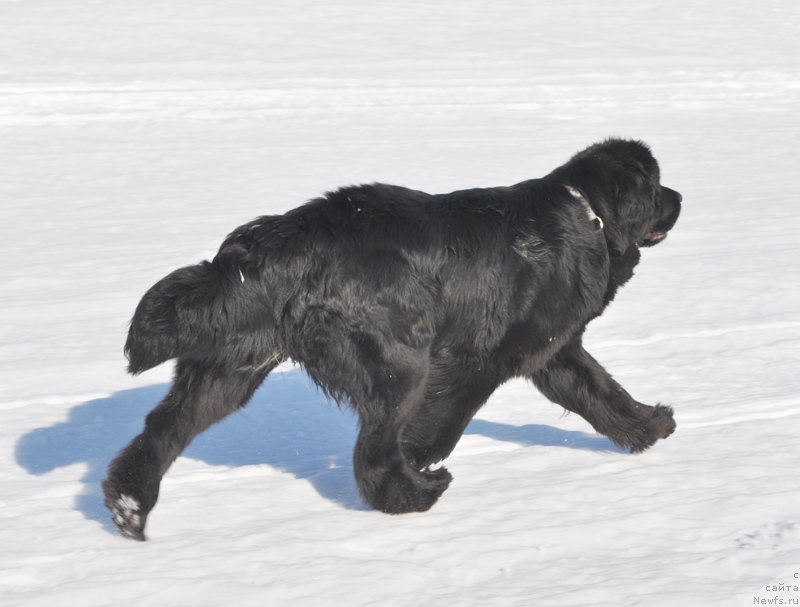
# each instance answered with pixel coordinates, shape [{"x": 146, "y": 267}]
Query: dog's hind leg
[
  {"x": 577, "y": 382},
  {"x": 203, "y": 393}
]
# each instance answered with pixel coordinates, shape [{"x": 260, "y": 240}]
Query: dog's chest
[{"x": 558, "y": 311}]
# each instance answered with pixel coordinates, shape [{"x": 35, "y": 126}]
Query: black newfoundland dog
[{"x": 410, "y": 307}]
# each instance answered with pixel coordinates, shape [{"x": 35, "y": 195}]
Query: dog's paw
[
  {"x": 128, "y": 512},
  {"x": 643, "y": 434},
  {"x": 424, "y": 459},
  {"x": 406, "y": 490},
  {"x": 131, "y": 488},
  {"x": 130, "y": 496},
  {"x": 663, "y": 421}
]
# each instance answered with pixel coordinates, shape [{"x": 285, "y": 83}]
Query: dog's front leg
[
  {"x": 383, "y": 474},
  {"x": 458, "y": 385},
  {"x": 577, "y": 382},
  {"x": 384, "y": 477}
]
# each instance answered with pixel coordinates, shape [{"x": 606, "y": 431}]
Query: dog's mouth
[{"x": 652, "y": 238}]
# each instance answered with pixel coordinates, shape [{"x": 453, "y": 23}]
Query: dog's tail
[{"x": 189, "y": 312}]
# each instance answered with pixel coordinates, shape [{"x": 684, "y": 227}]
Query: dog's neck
[{"x": 578, "y": 195}]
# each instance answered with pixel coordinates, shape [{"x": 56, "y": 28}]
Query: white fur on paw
[
  {"x": 127, "y": 504},
  {"x": 433, "y": 467},
  {"x": 126, "y": 515}
]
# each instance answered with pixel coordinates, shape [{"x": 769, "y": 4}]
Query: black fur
[{"x": 410, "y": 307}]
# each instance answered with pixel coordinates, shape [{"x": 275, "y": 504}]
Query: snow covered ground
[{"x": 134, "y": 136}]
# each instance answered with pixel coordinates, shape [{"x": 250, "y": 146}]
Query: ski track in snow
[{"x": 135, "y": 137}]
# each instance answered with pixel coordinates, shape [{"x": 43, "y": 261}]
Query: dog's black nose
[{"x": 675, "y": 195}]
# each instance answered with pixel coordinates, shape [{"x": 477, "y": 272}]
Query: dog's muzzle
[{"x": 670, "y": 205}]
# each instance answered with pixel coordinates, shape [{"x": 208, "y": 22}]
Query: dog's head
[{"x": 621, "y": 180}]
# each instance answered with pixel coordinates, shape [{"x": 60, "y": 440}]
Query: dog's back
[{"x": 354, "y": 235}]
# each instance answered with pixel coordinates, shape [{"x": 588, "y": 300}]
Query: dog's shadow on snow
[{"x": 288, "y": 425}]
